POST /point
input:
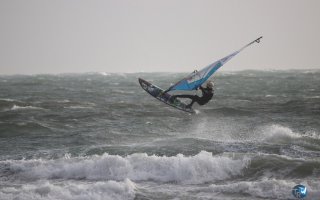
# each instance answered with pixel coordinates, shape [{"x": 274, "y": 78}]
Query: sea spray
[{"x": 201, "y": 168}]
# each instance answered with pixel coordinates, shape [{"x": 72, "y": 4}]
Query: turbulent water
[{"x": 100, "y": 136}]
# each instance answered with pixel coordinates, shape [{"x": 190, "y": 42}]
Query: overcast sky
[{"x": 61, "y": 36}]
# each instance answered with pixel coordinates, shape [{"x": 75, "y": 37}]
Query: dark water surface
[{"x": 100, "y": 136}]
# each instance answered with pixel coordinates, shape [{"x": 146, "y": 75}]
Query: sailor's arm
[{"x": 202, "y": 89}]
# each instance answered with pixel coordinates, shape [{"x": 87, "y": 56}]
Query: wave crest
[
  {"x": 16, "y": 107},
  {"x": 277, "y": 133},
  {"x": 200, "y": 168}
]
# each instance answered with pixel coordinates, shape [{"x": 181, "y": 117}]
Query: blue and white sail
[{"x": 197, "y": 78}]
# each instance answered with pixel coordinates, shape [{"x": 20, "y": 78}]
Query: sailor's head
[{"x": 210, "y": 84}]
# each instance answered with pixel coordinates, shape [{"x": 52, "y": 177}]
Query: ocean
[{"x": 100, "y": 136}]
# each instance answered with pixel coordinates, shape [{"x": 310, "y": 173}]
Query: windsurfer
[{"x": 207, "y": 94}]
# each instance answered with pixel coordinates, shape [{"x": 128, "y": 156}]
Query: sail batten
[{"x": 197, "y": 78}]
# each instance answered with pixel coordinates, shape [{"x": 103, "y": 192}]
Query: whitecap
[
  {"x": 197, "y": 111},
  {"x": 201, "y": 168},
  {"x": 64, "y": 101},
  {"x": 104, "y": 74},
  {"x": 79, "y": 107},
  {"x": 270, "y": 95},
  {"x": 7, "y": 99},
  {"x": 15, "y": 107},
  {"x": 277, "y": 132}
]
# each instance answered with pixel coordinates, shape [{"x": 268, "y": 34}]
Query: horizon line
[{"x": 148, "y": 72}]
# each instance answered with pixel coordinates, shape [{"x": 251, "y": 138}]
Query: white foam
[
  {"x": 104, "y": 73},
  {"x": 275, "y": 133},
  {"x": 312, "y": 134},
  {"x": 79, "y": 107},
  {"x": 110, "y": 190},
  {"x": 64, "y": 101},
  {"x": 270, "y": 95},
  {"x": 279, "y": 134},
  {"x": 9, "y": 100},
  {"x": 200, "y": 168},
  {"x": 197, "y": 111},
  {"x": 15, "y": 107}
]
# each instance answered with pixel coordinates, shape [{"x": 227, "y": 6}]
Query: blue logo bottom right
[{"x": 299, "y": 191}]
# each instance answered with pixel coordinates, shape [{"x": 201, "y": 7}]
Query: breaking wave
[
  {"x": 201, "y": 168},
  {"x": 277, "y": 133},
  {"x": 280, "y": 134}
]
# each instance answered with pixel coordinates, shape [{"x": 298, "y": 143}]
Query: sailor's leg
[
  {"x": 173, "y": 97},
  {"x": 194, "y": 99}
]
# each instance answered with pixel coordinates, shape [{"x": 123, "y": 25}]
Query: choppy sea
[{"x": 100, "y": 136}]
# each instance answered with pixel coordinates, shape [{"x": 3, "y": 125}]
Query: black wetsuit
[{"x": 207, "y": 95}]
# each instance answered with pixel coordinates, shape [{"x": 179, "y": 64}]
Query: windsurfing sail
[{"x": 197, "y": 78}]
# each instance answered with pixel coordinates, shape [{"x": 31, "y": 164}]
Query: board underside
[{"x": 157, "y": 93}]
